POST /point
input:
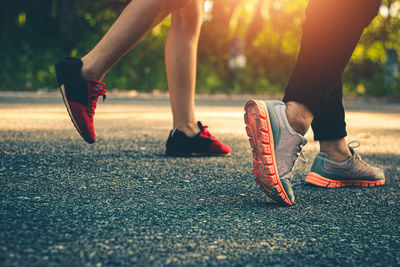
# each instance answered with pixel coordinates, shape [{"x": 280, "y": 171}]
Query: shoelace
[
  {"x": 303, "y": 158},
  {"x": 353, "y": 144},
  {"x": 206, "y": 133},
  {"x": 356, "y": 142},
  {"x": 96, "y": 89},
  {"x": 301, "y": 154},
  {"x": 357, "y": 157}
]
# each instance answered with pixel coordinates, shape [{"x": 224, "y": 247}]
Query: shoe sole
[
  {"x": 259, "y": 131},
  {"x": 182, "y": 154},
  {"x": 65, "y": 100},
  {"x": 318, "y": 180}
]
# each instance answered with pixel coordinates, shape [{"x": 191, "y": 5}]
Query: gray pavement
[{"x": 122, "y": 202}]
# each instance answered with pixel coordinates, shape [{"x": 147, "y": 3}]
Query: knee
[
  {"x": 175, "y": 4},
  {"x": 190, "y": 18}
]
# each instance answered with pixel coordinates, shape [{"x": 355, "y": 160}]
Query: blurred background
[{"x": 246, "y": 46}]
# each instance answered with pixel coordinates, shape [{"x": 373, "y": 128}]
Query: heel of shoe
[
  {"x": 60, "y": 80},
  {"x": 318, "y": 180}
]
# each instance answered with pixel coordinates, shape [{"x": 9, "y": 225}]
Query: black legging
[{"x": 331, "y": 31}]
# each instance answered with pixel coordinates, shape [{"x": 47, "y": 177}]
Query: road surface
[{"x": 121, "y": 201}]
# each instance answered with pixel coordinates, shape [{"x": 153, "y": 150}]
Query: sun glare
[
  {"x": 393, "y": 11},
  {"x": 208, "y": 7}
]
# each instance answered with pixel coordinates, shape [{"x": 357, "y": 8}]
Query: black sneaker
[{"x": 202, "y": 144}]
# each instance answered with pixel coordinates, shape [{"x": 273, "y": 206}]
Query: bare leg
[
  {"x": 300, "y": 118},
  {"x": 336, "y": 149},
  {"x": 181, "y": 58},
  {"x": 137, "y": 19}
]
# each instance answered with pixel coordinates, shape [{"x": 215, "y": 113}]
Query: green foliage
[{"x": 34, "y": 36}]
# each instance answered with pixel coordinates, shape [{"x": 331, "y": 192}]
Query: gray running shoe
[
  {"x": 353, "y": 172},
  {"x": 275, "y": 145}
]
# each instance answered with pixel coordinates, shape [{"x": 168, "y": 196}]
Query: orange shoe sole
[
  {"x": 318, "y": 180},
  {"x": 259, "y": 131}
]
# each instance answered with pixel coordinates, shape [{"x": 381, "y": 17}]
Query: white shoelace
[
  {"x": 301, "y": 154},
  {"x": 356, "y": 143},
  {"x": 353, "y": 144}
]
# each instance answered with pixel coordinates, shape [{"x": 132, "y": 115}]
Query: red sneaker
[
  {"x": 202, "y": 144},
  {"x": 79, "y": 95}
]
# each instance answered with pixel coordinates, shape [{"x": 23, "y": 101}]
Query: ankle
[
  {"x": 337, "y": 150},
  {"x": 338, "y": 156},
  {"x": 299, "y": 117},
  {"x": 190, "y": 129},
  {"x": 88, "y": 72}
]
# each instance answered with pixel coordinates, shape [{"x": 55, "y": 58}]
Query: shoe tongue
[
  {"x": 352, "y": 150},
  {"x": 200, "y": 126}
]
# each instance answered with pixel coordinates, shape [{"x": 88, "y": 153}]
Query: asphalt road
[{"x": 122, "y": 202}]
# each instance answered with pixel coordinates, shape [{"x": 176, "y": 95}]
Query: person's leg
[
  {"x": 330, "y": 34},
  {"x": 136, "y": 20},
  {"x": 181, "y": 63},
  {"x": 329, "y": 126},
  {"x": 189, "y": 137},
  {"x": 327, "y": 45},
  {"x": 79, "y": 79},
  {"x": 314, "y": 88}
]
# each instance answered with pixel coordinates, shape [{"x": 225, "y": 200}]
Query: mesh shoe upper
[
  {"x": 352, "y": 169},
  {"x": 288, "y": 143}
]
